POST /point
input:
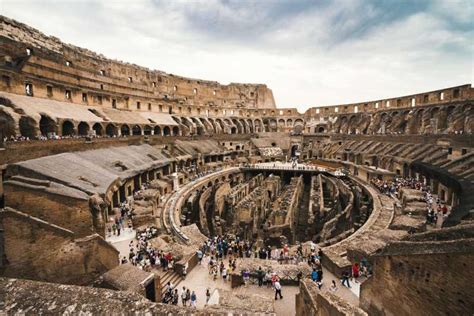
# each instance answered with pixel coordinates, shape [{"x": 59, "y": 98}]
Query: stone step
[{"x": 169, "y": 276}]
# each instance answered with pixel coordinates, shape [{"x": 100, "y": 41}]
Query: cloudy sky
[{"x": 310, "y": 53}]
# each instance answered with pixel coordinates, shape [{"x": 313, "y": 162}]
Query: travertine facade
[{"x": 81, "y": 134}]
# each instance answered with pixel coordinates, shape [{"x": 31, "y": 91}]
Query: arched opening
[
  {"x": 199, "y": 126},
  {"x": 352, "y": 126},
  {"x": 147, "y": 130},
  {"x": 83, "y": 129},
  {"x": 136, "y": 130},
  {"x": 47, "y": 126},
  {"x": 111, "y": 130},
  {"x": 233, "y": 130},
  {"x": 7, "y": 126},
  {"x": 238, "y": 125},
  {"x": 273, "y": 125},
  {"x": 250, "y": 125},
  {"x": 166, "y": 131},
  {"x": 221, "y": 125},
  {"x": 157, "y": 130},
  {"x": 27, "y": 127},
  {"x": 294, "y": 149},
  {"x": 125, "y": 130},
  {"x": 258, "y": 126},
  {"x": 298, "y": 129},
  {"x": 406, "y": 170},
  {"x": 321, "y": 129},
  {"x": 68, "y": 128},
  {"x": 175, "y": 131},
  {"x": 98, "y": 130},
  {"x": 281, "y": 123}
]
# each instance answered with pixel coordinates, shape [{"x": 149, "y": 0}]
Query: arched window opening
[
  {"x": 175, "y": 131},
  {"x": 157, "y": 130},
  {"x": 136, "y": 130},
  {"x": 47, "y": 126},
  {"x": 111, "y": 130},
  {"x": 125, "y": 130},
  {"x": 68, "y": 128},
  {"x": 83, "y": 129},
  {"x": 97, "y": 127}
]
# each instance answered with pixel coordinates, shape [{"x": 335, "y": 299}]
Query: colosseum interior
[{"x": 99, "y": 157}]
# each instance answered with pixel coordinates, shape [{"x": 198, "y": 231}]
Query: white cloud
[{"x": 348, "y": 51}]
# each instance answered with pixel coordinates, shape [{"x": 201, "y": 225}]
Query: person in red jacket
[{"x": 355, "y": 270}]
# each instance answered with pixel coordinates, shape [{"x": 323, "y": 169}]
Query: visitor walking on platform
[
  {"x": 260, "y": 276},
  {"x": 193, "y": 300},
  {"x": 183, "y": 296},
  {"x": 208, "y": 295},
  {"x": 224, "y": 274},
  {"x": 175, "y": 297},
  {"x": 277, "y": 287},
  {"x": 345, "y": 279}
]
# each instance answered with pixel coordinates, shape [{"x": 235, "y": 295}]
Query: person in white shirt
[{"x": 277, "y": 287}]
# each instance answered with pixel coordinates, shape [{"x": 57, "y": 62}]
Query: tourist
[
  {"x": 320, "y": 274},
  {"x": 274, "y": 278},
  {"x": 183, "y": 296},
  {"x": 185, "y": 270},
  {"x": 199, "y": 255},
  {"x": 224, "y": 274},
  {"x": 246, "y": 276},
  {"x": 208, "y": 295},
  {"x": 345, "y": 279},
  {"x": 175, "y": 297},
  {"x": 193, "y": 300},
  {"x": 314, "y": 275},
  {"x": 277, "y": 287},
  {"x": 188, "y": 296},
  {"x": 260, "y": 276},
  {"x": 333, "y": 287},
  {"x": 355, "y": 271}
]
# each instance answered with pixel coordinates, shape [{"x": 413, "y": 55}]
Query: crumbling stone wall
[
  {"x": 112, "y": 79},
  {"x": 65, "y": 211},
  {"x": 312, "y": 301},
  {"x": 39, "y": 250},
  {"x": 421, "y": 283}
]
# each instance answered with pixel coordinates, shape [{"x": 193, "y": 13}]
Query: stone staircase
[{"x": 169, "y": 276}]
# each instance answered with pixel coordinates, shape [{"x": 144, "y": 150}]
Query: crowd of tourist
[
  {"x": 434, "y": 209},
  {"x": 20, "y": 138},
  {"x": 121, "y": 221},
  {"x": 188, "y": 297},
  {"x": 146, "y": 257},
  {"x": 394, "y": 186}
]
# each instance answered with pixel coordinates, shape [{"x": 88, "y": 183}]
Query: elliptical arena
[{"x": 121, "y": 184}]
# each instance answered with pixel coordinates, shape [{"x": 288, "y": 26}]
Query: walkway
[{"x": 199, "y": 280}]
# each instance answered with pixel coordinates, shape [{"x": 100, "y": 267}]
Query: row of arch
[
  {"x": 437, "y": 119},
  {"x": 430, "y": 120},
  {"x": 209, "y": 126},
  {"x": 28, "y": 127}
]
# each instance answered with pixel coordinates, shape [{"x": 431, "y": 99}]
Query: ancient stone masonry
[
  {"x": 281, "y": 220},
  {"x": 421, "y": 264},
  {"x": 252, "y": 210},
  {"x": 87, "y": 142}
]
